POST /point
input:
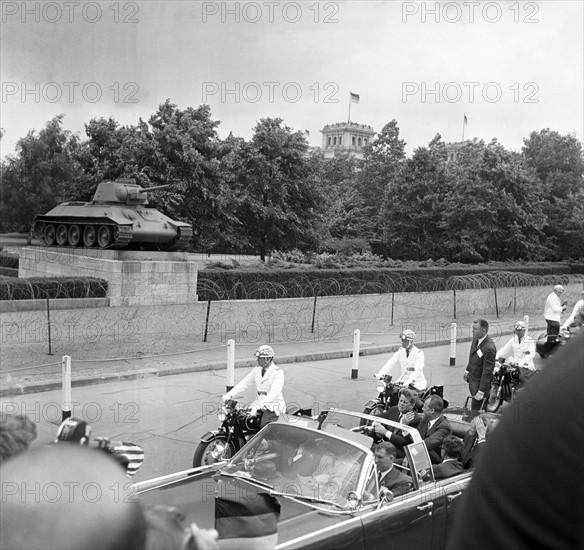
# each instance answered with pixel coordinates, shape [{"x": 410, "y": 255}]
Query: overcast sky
[{"x": 511, "y": 67}]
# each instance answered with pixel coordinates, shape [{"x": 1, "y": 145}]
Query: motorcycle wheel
[
  {"x": 209, "y": 452},
  {"x": 495, "y": 401}
]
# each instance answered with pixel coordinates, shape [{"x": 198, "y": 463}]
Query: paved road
[{"x": 167, "y": 415}]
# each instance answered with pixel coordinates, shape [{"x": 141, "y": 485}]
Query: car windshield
[{"x": 307, "y": 464}]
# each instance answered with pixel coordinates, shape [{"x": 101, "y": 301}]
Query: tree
[
  {"x": 40, "y": 176},
  {"x": 493, "y": 210},
  {"x": 413, "y": 204},
  {"x": 278, "y": 197},
  {"x": 559, "y": 163},
  {"x": 382, "y": 162}
]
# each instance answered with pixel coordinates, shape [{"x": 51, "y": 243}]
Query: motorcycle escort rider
[
  {"x": 269, "y": 381},
  {"x": 410, "y": 361},
  {"x": 520, "y": 349}
]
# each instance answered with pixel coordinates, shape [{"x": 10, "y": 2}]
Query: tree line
[{"x": 274, "y": 192}]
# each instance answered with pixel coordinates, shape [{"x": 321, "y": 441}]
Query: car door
[{"x": 407, "y": 521}]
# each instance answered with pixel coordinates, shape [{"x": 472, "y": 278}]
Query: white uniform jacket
[
  {"x": 553, "y": 308},
  {"x": 399, "y": 364},
  {"x": 579, "y": 306},
  {"x": 269, "y": 388},
  {"x": 522, "y": 354}
]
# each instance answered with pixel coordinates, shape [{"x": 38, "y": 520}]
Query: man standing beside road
[
  {"x": 481, "y": 362},
  {"x": 553, "y": 311}
]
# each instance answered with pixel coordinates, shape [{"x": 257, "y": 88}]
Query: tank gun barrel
[{"x": 156, "y": 188}]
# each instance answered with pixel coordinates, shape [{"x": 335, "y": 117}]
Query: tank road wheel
[
  {"x": 89, "y": 236},
  {"x": 62, "y": 235},
  {"x": 74, "y": 235},
  {"x": 105, "y": 236},
  {"x": 50, "y": 234}
]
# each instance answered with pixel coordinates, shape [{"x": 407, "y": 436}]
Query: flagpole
[
  {"x": 463, "y": 119},
  {"x": 349, "y": 119}
]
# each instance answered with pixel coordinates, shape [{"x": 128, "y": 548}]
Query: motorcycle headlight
[
  {"x": 222, "y": 416},
  {"x": 381, "y": 386}
]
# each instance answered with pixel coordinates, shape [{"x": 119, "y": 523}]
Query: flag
[
  {"x": 247, "y": 523},
  {"x": 354, "y": 98},
  {"x": 465, "y": 119}
]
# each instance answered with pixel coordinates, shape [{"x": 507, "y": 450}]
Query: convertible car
[{"x": 320, "y": 478}]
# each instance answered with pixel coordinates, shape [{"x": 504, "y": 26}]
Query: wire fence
[{"x": 306, "y": 286}]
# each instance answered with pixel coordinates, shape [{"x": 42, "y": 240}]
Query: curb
[{"x": 38, "y": 387}]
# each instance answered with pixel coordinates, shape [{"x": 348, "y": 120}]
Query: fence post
[
  {"x": 392, "y": 299},
  {"x": 313, "y": 315},
  {"x": 454, "y": 301},
  {"x": 356, "y": 343},
  {"x": 526, "y": 321},
  {"x": 514, "y": 299},
  {"x": 207, "y": 320},
  {"x": 230, "y": 365},
  {"x": 66, "y": 376},
  {"x": 49, "y": 326},
  {"x": 496, "y": 301},
  {"x": 452, "y": 344}
]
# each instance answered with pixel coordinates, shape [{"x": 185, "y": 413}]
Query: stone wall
[
  {"x": 136, "y": 331},
  {"x": 134, "y": 278}
]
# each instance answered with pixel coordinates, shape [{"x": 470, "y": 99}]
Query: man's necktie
[{"x": 407, "y": 353}]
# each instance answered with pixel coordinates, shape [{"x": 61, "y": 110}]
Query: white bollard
[
  {"x": 230, "y": 364},
  {"x": 452, "y": 344},
  {"x": 356, "y": 345},
  {"x": 66, "y": 375}
]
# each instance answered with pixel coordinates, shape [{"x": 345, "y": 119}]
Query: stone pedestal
[{"x": 134, "y": 277}]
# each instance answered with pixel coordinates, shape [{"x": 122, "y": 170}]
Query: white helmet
[
  {"x": 264, "y": 351},
  {"x": 408, "y": 335}
]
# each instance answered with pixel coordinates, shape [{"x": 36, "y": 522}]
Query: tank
[{"x": 117, "y": 217}]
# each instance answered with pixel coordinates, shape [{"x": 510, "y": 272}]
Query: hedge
[
  {"x": 297, "y": 283},
  {"x": 45, "y": 287}
]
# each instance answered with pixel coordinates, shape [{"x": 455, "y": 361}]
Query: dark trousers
[
  {"x": 553, "y": 329},
  {"x": 476, "y": 405}
]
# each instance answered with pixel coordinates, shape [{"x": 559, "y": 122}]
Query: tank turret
[
  {"x": 123, "y": 192},
  {"x": 117, "y": 217}
]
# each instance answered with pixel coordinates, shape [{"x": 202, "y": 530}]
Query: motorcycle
[
  {"x": 507, "y": 380},
  {"x": 236, "y": 429},
  {"x": 389, "y": 395}
]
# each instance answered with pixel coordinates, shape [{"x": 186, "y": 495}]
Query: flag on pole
[
  {"x": 247, "y": 523},
  {"x": 354, "y": 98},
  {"x": 465, "y": 119}
]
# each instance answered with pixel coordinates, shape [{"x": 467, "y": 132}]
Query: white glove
[
  {"x": 225, "y": 397},
  {"x": 253, "y": 410}
]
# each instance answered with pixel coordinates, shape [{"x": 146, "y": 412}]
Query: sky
[{"x": 510, "y": 67}]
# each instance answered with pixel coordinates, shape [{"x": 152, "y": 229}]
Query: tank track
[
  {"x": 122, "y": 233},
  {"x": 184, "y": 237}
]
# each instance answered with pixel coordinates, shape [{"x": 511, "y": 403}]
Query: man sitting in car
[
  {"x": 451, "y": 464},
  {"x": 403, "y": 413},
  {"x": 434, "y": 427},
  {"x": 388, "y": 474}
]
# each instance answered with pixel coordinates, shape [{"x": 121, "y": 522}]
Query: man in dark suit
[
  {"x": 451, "y": 465},
  {"x": 473, "y": 441},
  {"x": 434, "y": 427},
  {"x": 481, "y": 362},
  {"x": 403, "y": 413},
  {"x": 388, "y": 474}
]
